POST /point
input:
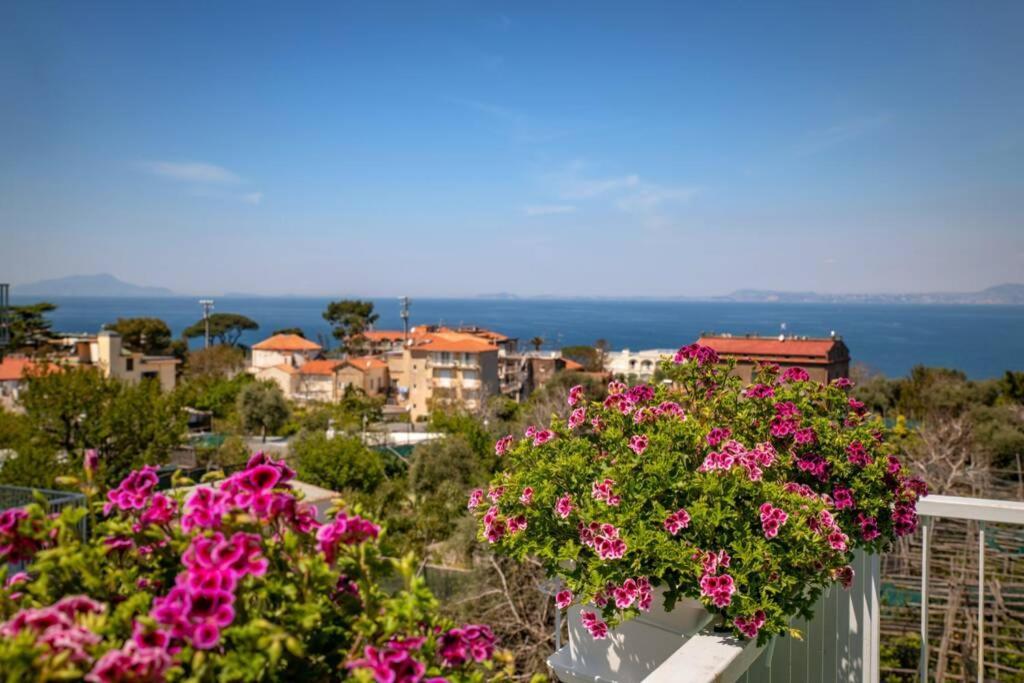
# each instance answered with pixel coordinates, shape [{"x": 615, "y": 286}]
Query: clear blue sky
[{"x": 455, "y": 148}]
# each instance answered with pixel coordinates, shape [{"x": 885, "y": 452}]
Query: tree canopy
[
  {"x": 225, "y": 328},
  {"x": 338, "y": 464},
  {"x": 349, "y": 318},
  {"x": 30, "y": 328},
  {"x": 151, "y": 336},
  {"x": 297, "y": 331},
  {"x": 262, "y": 408}
]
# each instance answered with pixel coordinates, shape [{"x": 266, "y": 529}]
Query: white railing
[{"x": 981, "y": 510}]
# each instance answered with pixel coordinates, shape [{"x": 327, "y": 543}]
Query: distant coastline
[{"x": 109, "y": 286}]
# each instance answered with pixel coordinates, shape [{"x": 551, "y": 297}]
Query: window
[{"x": 129, "y": 364}]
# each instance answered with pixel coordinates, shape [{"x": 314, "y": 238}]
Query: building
[
  {"x": 329, "y": 379},
  {"x": 522, "y": 373},
  {"x": 636, "y": 365},
  {"x": 383, "y": 341},
  {"x": 824, "y": 359},
  {"x": 13, "y": 371},
  {"x": 441, "y": 365},
  {"x": 105, "y": 351},
  {"x": 283, "y": 349}
]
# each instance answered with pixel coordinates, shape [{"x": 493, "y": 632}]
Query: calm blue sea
[{"x": 983, "y": 341}]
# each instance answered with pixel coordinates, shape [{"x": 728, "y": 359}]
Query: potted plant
[
  {"x": 700, "y": 497},
  {"x": 237, "y": 581}
]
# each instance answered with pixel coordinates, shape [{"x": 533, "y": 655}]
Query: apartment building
[
  {"x": 636, "y": 365},
  {"x": 445, "y": 366},
  {"x": 105, "y": 351}
]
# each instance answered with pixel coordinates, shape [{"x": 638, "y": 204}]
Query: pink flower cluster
[
  {"x": 671, "y": 409},
  {"x": 575, "y": 395},
  {"x": 719, "y": 588},
  {"x": 526, "y": 497},
  {"x": 131, "y": 663},
  {"x": 868, "y": 527},
  {"x": 393, "y": 663},
  {"x": 133, "y": 492},
  {"x": 638, "y": 443},
  {"x": 844, "y": 575},
  {"x": 759, "y": 391},
  {"x": 678, "y": 520},
  {"x": 858, "y": 454},
  {"x": 14, "y": 545},
  {"x": 703, "y": 355},
  {"x": 577, "y": 417},
  {"x": 56, "y": 627},
  {"x": 750, "y": 626},
  {"x": 475, "y": 498},
  {"x": 563, "y": 598},
  {"x": 772, "y": 519},
  {"x": 734, "y": 453},
  {"x": 717, "y": 435},
  {"x": 632, "y": 591},
  {"x": 563, "y": 506},
  {"x": 502, "y": 445},
  {"x": 794, "y": 375},
  {"x": 470, "y": 642},
  {"x": 815, "y": 465},
  {"x": 542, "y": 436},
  {"x": 842, "y": 498},
  {"x": 344, "y": 530},
  {"x": 597, "y": 628},
  {"x": 495, "y": 528},
  {"x": 603, "y": 539},
  {"x": 603, "y": 492}
]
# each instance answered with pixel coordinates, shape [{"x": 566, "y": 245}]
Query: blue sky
[{"x": 450, "y": 148}]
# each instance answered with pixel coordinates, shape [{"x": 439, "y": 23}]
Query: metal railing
[{"x": 981, "y": 510}]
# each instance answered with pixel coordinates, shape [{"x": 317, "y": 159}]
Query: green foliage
[
  {"x": 536, "y": 343},
  {"x": 349, "y": 318},
  {"x": 215, "y": 393},
  {"x": 262, "y": 408},
  {"x": 77, "y": 408},
  {"x": 297, "y": 331},
  {"x": 456, "y": 421},
  {"x": 655, "y": 464},
  {"x": 30, "y": 327},
  {"x": 225, "y": 328},
  {"x": 23, "y": 460},
  {"x": 218, "y": 361},
  {"x": 301, "y": 608},
  {"x": 151, "y": 336},
  {"x": 590, "y": 357},
  {"x": 338, "y": 464}
]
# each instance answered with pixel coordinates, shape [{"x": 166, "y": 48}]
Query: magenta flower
[
  {"x": 526, "y": 497},
  {"x": 868, "y": 527},
  {"x": 759, "y": 391},
  {"x": 133, "y": 492},
  {"x": 575, "y": 394},
  {"x": 837, "y": 540},
  {"x": 678, "y": 520},
  {"x": 603, "y": 492},
  {"x": 344, "y": 530},
  {"x": 858, "y": 454},
  {"x": 844, "y": 576},
  {"x": 475, "y": 498},
  {"x": 717, "y": 435},
  {"x": 638, "y": 443},
  {"x": 702, "y": 355},
  {"x": 597, "y": 628},
  {"x": 794, "y": 375},
  {"x": 563, "y": 506},
  {"x": 390, "y": 665},
  {"x": 719, "y": 588},
  {"x": 205, "y": 508},
  {"x": 750, "y": 626},
  {"x": 502, "y": 445},
  {"x": 772, "y": 519},
  {"x": 577, "y": 417},
  {"x": 542, "y": 436},
  {"x": 563, "y": 599}
]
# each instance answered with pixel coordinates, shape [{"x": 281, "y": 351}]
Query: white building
[
  {"x": 638, "y": 364},
  {"x": 283, "y": 349}
]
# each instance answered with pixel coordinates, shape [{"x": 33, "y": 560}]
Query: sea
[{"x": 982, "y": 341}]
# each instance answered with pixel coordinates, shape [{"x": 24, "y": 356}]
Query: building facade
[
  {"x": 637, "y": 365},
  {"x": 825, "y": 359}
]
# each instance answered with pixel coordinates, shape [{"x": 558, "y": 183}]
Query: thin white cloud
[
  {"x": 253, "y": 198},
  {"x": 629, "y": 193},
  {"x": 191, "y": 172},
  {"x": 548, "y": 209},
  {"x": 817, "y": 141}
]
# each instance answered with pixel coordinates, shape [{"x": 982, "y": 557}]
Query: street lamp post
[
  {"x": 207, "y": 305},
  {"x": 5, "y": 321}
]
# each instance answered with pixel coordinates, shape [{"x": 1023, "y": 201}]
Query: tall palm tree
[{"x": 537, "y": 342}]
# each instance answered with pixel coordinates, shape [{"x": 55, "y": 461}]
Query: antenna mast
[
  {"x": 207, "y": 305},
  {"x": 5, "y": 322},
  {"x": 405, "y": 318}
]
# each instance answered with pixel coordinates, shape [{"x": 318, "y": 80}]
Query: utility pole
[
  {"x": 207, "y": 305},
  {"x": 405, "y": 318},
  {"x": 5, "y": 321}
]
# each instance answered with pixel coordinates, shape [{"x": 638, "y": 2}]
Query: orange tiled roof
[
  {"x": 572, "y": 365},
  {"x": 768, "y": 347},
  {"x": 456, "y": 342},
  {"x": 384, "y": 335},
  {"x": 326, "y": 366},
  {"x": 365, "y": 363},
  {"x": 15, "y": 368},
  {"x": 287, "y": 342}
]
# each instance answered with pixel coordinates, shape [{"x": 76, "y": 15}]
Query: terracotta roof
[
  {"x": 452, "y": 342},
  {"x": 769, "y": 347},
  {"x": 365, "y": 363},
  {"x": 572, "y": 365},
  {"x": 320, "y": 367},
  {"x": 287, "y": 368},
  {"x": 384, "y": 335},
  {"x": 287, "y": 342},
  {"x": 13, "y": 368}
]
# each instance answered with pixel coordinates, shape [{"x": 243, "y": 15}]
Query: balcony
[{"x": 841, "y": 642}]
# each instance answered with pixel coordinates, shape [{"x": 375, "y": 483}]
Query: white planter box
[{"x": 632, "y": 650}]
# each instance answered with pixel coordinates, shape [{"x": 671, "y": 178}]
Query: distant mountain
[
  {"x": 104, "y": 284},
  {"x": 1008, "y": 294}
]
